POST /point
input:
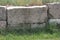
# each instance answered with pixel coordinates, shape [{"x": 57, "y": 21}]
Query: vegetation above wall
[{"x": 25, "y": 2}]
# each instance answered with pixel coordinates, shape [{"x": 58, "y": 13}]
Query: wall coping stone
[{"x": 15, "y": 7}]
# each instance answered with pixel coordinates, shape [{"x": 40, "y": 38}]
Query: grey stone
[
  {"x": 2, "y": 13},
  {"x": 15, "y": 15},
  {"x": 2, "y": 24},
  {"x": 38, "y": 14},
  {"x": 19, "y": 26},
  {"x": 26, "y": 26},
  {"x": 26, "y": 15},
  {"x": 38, "y": 25},
  {"x": 54, "y": 10}
]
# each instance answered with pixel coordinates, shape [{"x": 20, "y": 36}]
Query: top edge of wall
[
  {"x": 2, "y": 6},
  {"x": 12, "y": 7}
]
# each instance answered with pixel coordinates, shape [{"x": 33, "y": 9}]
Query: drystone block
[
  {"x": 2, "y": 25},
  {"x": 54, "y": 10},
  {"x": 2, "y": 13},
  {"x": 38, "y": 25},
  {"x": 38, "y": 14},
  {"x": 15, "y": 15},
  {"x": 34, "y": 14},
  {"x": 21, "y": 26},
  {"x": 26, "y": 15}
]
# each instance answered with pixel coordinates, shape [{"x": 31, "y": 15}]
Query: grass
[
  {"x": 25, "y": 2},
  {"x": 50, "y": 1},
  {"x": 19, "y": 2},
  {"x": 34, "y": 34},
  {"x": 29, "y": 36},
  {"x": 40, "y": 36}
]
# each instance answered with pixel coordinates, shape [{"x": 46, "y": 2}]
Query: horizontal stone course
[
  {"x": 21, "y": 17},
  {"x": 34, "y": 14}
]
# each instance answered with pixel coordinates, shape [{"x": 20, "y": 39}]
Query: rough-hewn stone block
[
  {"x": 54, "y": 10},
  {"x": 2, "y": 13},
  {"x": 32, "y": 14},
  {"x": 2, "y": 24},
  {"x": 15, "y": 15},
  {"x": 38, "y": 14}
]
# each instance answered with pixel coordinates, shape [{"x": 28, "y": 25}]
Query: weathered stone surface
[
  {"x": 54, "y": 10},
  {"x": 15, "y": 15},
  {"x": 22, "y": 26},
  {"x": 26, "y": 14},
  {"x": 38, "y": 14},
  {"x": 33, "y": 14},
  {"x": 2, "y": 24},
  {"x": 2, "y": 13},
  {"x": 38, "y": 25},
  {"x": 26, "y": 26}
]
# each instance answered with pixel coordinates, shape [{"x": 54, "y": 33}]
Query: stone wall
[
  {"x": 2, "y": 17},
  {"x": 20, "y": 17}
]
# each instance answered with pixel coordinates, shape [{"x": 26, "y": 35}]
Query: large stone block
[
  {"x": 2, "y": 25},
  {"x": 15, "y": 15},
  {"x": 26, "y": 15},
  {"x": 54, "y": 10},
  {"x": 2, "y": 13},
  {"x": 38, "y": 14}
]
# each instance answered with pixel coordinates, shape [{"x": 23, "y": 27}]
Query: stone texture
[
  {"x": 2, "y": 24},
  {"x": 54, "y": 10},
  {"x": 2, "y": 13},
  {"x": 38, "y": 25},
  {"x": 38, "y": 14},
  {"x": 15, "y": 15},
  {"x": 19, "y": 26},
  {"x": 26, "y": 15},
  {"x": 26, "y": 26}
]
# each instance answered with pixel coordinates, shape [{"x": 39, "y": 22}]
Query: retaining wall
[{"x": 20, "y": 17}]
